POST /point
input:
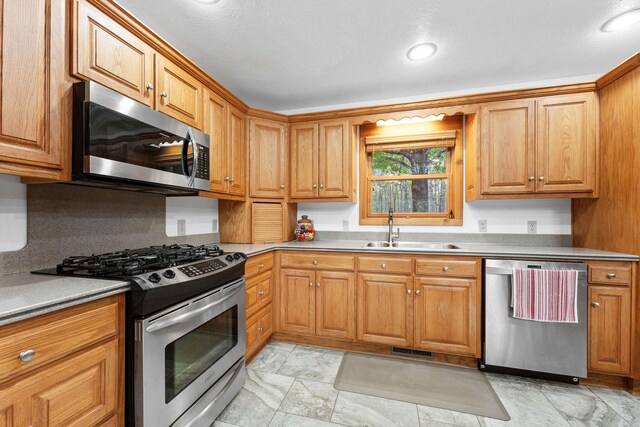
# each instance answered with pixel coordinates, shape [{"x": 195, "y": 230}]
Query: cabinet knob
[
  {"x": 318, "y": 285},
  {"x": 383, "y": 265},
  {"x": 261, "y": 266},
  {"x": 231, "y": 179},
  {"x": 163, "y": 94},
  {"x": 315, "y": 186},
  {"x": 314, "y": 262},
  {"x": 311, "y": 285},
  {"x": 417, "y": 291},
  {"x": 445, "y": 268},
  {"x": 260, "y": 330},
  {"x": 611, "y": 275},
  {"x": 282, "y": 186},
  {"x": 541, "y": 178},
  {"x": 261, "y": 293},
  {"x": 27, "y": 355},
  {"x": 149, "y": 86},
  {"x": 408, "y": 291},
  {"x": 531, "y": 178},
  {"x": 227, "y": 178},
  {"x": 321, "y": 185},
  {"x": 595, "y": 304}
]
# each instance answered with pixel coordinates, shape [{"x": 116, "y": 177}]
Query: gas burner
[{"x": 130, "y": 262}]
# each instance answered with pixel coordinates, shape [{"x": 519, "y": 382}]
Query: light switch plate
[
  {"x": 532, "y": 227},
  {"x": 182, "y": 227},
  {"x": 482, "y": 225}
]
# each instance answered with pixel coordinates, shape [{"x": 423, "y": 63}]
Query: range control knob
[
  {"x": 229, "y": 257},
  {"x": 169, "y": 274},
  {"x": 236, "y": 255},
  {"x": 154, "y": 278}
]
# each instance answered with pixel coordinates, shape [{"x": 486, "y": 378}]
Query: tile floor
[{"x": 292, "y": 385}]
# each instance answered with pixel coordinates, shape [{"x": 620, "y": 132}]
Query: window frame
[{"x": 396, "y": 136}]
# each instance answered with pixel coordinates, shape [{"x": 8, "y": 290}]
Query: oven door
[{"x": 183, "y": 351}]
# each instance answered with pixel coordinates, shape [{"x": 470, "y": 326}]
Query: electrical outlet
[
  {"x": 482, "y": 225},
  {"x": 532, "y": 227},
  {"x": 214, "y": 225},
  {"x": 182, "y": 227},
  {"x": 345, "y": 225}
]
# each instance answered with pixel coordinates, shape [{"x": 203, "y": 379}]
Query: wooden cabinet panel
[
  {"x": 566, "y": 143},
  {"x": 609, "y": 329},
  {"x": 447, "y": 315},
  {"x": 335, "y": 303},
  {"x": 258, "y": 264},
  {"x": 385, "y": 309},
  {"x": 34, "y": 125},
  {"x": 385, "y": 264},
  {"x": 508, "y": 147},
  {"x": 215, "y": 125},
  {"x": 237, "y": 143},
  {"x": 297, "y": 301},
  {"x": 265, "y": 328},
  {"x": 253, "y": 337},
  {"x": 304, "y": 163},
  {"x": 267, "y": 222},
  {"x": 79, "y": 391},
  {"x": 267, "y": 159},
  {"x": 306, "y": 259},
  {"x": 179, "y": 94},
  {"x": 54, "y": 336},
  {"x": 334, "y": 158},
  {"x": 107, "y": 53},
  {"x": 259, "y": 292},
  {"x": 609, "y": 274},
  {"x": 448, "y": 267}
]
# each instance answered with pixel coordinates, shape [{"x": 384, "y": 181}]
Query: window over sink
[{"x": 415, "y": 169}]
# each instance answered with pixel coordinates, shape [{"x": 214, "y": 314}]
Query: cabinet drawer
[
  {"x": 259, "y": 292},
  {"x": 53, "y": 336},
  {"x": 610, "y": 274},
  {"x": 314, "y": 260},
  {"x": 370, "y": 264},
  {"x": 253, "y": 337},
  {"x": 446, "y": 267},
  {"x": 258, "y": 264}
]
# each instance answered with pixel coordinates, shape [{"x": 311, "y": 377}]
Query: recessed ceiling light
[
  {"x": 421, "y": 51},
  {"x": 622, "y": 21}
]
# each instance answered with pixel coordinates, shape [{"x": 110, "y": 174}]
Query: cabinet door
[
  {"x": 107, "y": 53},
  {"x": 33, "y": 83},
  {"x": 253, "y": 335},
  {"x": 297, "y": 301},
  {"x": 334, "y": 154},
  {"x": 609, "y": 329},
  {"x": 179, "y": 94},
  {"x": 385, "y": 306},
  {"x": 508, "y": 147},
  {"x": 215, "y": 125},
  {"x": 266, "y": 324},
  {"x": 335, "y": 302},
  {"x": 566, "y": 143},
  {"x": 79, "y": 391},
  {"x": 447, "y": 315},
  {"x": 237, "y": 142},
  {"x": 267, "y": 159},
  {"x": 304, "y": 160}
]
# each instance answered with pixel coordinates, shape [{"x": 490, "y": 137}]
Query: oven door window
[{"x": 192, "y": 354}]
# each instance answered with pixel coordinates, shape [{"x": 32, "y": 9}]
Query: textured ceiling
[{"x": 288, "y": 54}]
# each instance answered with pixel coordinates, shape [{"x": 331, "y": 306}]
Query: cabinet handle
[
  {"x": 531, "y": 178},
  {"x": 227, "y": 178},
  {"x": 231, "y": 179},
  {"x": 318, "y": 285},
  {"x": 260, "y": 330},
  {"x": 417, "y": 291},
  {"x": 595, "y": 304},
  {"x": 541, "y": 178},
  {"x": 261, "y": 266},
  {"x": 310, "y": 285},
  {"x": 383, "y": 265},
  {"x": 149, "y": 86},
  {"x": 163, "y": 94},
  {"x": 315, "y": 186},
  {"x": 261, "y": 293},
  {"x": 611, "y": 275},
  {"x": 314, "y": 262},
  {"x": 321, "y": 185},
  {"x": 445, "y": 268},
  {"x": 282, "y": 186},
  {"x": 27, "y": 356},
  {"x": 408, "y": 291}
]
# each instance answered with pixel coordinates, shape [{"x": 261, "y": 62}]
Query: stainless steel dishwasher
[{"x": 524, "y": 347}]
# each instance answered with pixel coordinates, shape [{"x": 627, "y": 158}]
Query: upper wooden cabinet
[
  {"x": 321, "y": 156},
  {"x": 226, "y": 128},
  {"x": 267, "y": 164},
  {"x": 34, "y": 89},
  {"x": 107, "y": 53},
  {"x": 178, "y": 94},
  {"x": 545, "y": 147}
]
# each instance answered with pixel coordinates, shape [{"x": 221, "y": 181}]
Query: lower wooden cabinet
[
  {"x": 81, "y": 386},
  {"x": 317, "y": 303},
  {"x": 609, "y": 329},
  {"x": 259, "y": 278},
  {"x": 385, "y": 309}
]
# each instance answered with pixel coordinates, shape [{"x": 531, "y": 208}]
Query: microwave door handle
[
  {"x": 185, "y": 317},
  {"x": 185, "y": 153},
  {"x": 190, "y": 174}
]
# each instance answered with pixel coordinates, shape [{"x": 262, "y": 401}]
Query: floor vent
[{"x": 410, "y": 352}]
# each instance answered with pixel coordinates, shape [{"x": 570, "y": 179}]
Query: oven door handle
[{"x": 185, "y": 317}]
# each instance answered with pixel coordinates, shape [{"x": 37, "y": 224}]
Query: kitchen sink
[{"x": 414, "y": 245}]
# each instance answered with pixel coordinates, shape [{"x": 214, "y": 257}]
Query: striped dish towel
[{"x": 545, "y": 295}]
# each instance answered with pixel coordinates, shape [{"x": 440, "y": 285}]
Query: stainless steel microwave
[{"x": 123, "y": 144}]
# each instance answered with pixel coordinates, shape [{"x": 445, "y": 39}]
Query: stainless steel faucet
[{"x": 391, "y": 235}]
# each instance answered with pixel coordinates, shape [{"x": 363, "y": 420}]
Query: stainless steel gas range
[{"x": 185, "y": 329}]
